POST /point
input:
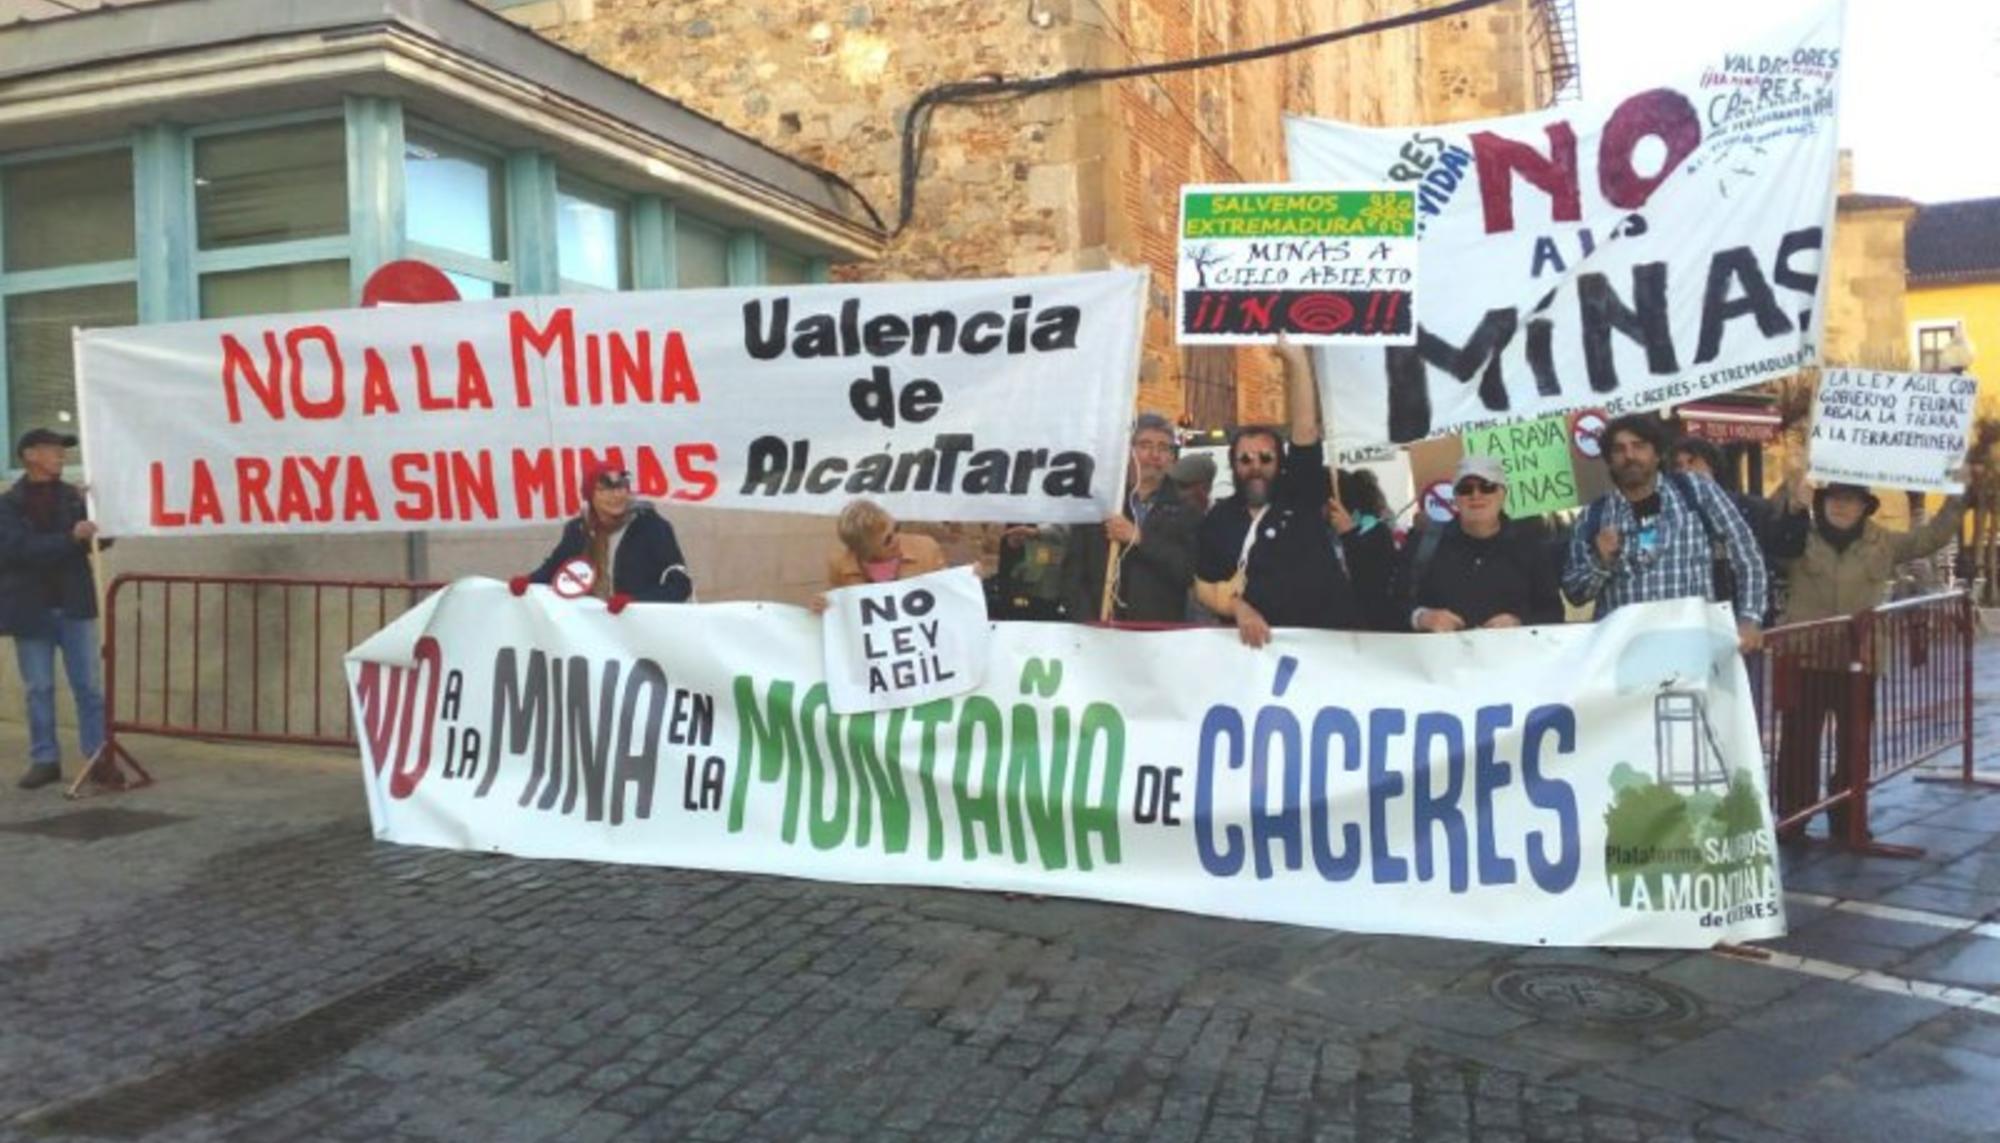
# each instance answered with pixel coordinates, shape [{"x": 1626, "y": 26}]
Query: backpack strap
[{"x": 1684, "y": 486}]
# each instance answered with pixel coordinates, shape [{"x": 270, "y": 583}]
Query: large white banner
[
  {"x": 1582, "y": 785},
  {"x": 1622, "y": 253},
  {"x": 983, "y": 400}
]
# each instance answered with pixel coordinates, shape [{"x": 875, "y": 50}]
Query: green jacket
[{"x": 1823, "y": 583}]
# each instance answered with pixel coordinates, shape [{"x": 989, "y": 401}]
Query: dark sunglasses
[
  {"x": 1256, "y": 458},
  {"x": 619, "y": 479},
  {"x": 1473, "y": 485}
]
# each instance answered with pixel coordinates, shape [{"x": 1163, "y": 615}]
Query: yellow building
[{"x": 1954, "y": 289}]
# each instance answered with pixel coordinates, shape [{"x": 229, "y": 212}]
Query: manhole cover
[
  {"x": 1582, "y": 995},
  {"x": 93, "y": 825}
]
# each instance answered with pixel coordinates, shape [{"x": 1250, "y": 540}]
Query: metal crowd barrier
[
  {"x": 239, "y": 658},
  {"x": 1895, "y": 682},
  {"x": 259, "y": 659}
]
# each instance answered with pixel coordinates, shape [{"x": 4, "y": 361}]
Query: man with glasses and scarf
[
  {"x": 630, "y": 548},
  {"x": 1266, "y": 557}
]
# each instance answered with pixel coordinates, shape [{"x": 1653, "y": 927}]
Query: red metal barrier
[
  {"x": 239, "y": 658},
  {"x": 1897, "y": 684}
]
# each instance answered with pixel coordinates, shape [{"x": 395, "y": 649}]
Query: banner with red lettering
[
  {"x": 1623, "y": 253},
  {"x": 992, "y": 400}
]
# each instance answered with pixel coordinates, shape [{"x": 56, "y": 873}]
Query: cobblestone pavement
[{"x": 257, "y": 968}]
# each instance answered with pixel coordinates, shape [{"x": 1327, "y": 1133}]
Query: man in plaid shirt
[{"x": 1655, "y": 537}]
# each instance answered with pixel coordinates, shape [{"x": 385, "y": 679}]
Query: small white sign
[
  {"x": 1891, "y": 430},
  {"x": 891, "y": 645}
]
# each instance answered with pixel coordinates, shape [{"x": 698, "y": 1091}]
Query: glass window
[
  {"x": 1932, "y": 341},
  {"x": 285, "y": 289},
  {"x": 41, "y": 360},
  {"x": 592, "y": 246},
  {"x": 782, "y": 268},
  {"x": 455, "y": 198},
  {"x": 275, "y": 185},
  {"x": 701, "y": 255},
  {"x": 475, "y": 289},
  {"x": 68, "y": 212}
]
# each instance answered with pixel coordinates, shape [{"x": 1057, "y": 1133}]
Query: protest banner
[
  {"x": 1321, "y": 265},
  {"x": 1891, "y": 430},
  {"x": 978, "y": 401},
  {"x": 1622, "y": 253},
  {"x": 891, "y": 645},
  {"x": 1593, "y": 784},
  {"x": 1540, "y": 476}
]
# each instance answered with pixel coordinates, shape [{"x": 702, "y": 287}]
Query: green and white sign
[
  {"x": 1318, "y": 265},
  {"x": 1540, "y": 475}
]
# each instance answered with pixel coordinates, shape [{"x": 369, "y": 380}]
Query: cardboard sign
[
  {"x": 1891, "y": 430},
  {"x": 1540, "y": 477},
  {"x": 1586, "y": 433},
  {"x": 1322, "y": 266},
  {"x": 1438, "y": 502},
  {"x": 893, "y": 645}
]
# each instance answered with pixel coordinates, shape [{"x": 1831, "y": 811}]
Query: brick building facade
[{"x": 1072, "y": 179}]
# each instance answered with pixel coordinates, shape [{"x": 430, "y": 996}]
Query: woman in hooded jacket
[
  {"x": 1846, "y": 567},
  {"x": 1849, "y": 559}
]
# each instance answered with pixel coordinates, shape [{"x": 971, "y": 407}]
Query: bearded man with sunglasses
[
  {"x": 1266, "y": 556},
  {"x": 629, "y": 546}
]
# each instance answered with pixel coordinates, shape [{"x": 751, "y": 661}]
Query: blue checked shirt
[{"x": 1683, "y": 562}]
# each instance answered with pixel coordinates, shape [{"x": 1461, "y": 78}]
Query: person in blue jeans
[{"x": 48, "y": 600}]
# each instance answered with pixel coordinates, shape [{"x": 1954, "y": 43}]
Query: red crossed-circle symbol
[
  {"x": 1438, "y": 503},
  {"x": 1586, "y": 428},
  {"x": 574, "y": 579}
]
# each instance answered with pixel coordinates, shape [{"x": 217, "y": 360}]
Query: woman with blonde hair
[{"x": 873, "y": 550}]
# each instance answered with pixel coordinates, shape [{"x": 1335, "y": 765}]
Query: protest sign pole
[
  {"x": 108, "y": 754},
  {"x": 1114, "y": 552}
]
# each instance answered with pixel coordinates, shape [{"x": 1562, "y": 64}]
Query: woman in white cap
[{"x": 1481, "y": 569}]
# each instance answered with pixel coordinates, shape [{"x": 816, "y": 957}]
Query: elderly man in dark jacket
[
  {"x": 48, "y": 601},
  {"x": 1154, "y": 562}
]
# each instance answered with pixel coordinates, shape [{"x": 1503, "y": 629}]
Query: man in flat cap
[{"x": 48, "y": 600}]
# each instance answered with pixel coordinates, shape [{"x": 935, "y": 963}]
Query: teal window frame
[
  {"x": 329, "y": 248},
  {"x": 167, "y": 269},
  {"x": 500, "y": 272},
  {"x": 578, "y": 186},
  {"x": 114, "y": 273}
]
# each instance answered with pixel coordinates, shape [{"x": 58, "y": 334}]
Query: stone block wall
[
  {"x": 1067, "y": 180},
  {"x": 1867, "y": 296}
]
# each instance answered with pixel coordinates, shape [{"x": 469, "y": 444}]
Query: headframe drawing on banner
[
  {"x": 939, "y": 400},
  {"x": 1622, "y": 253}
]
